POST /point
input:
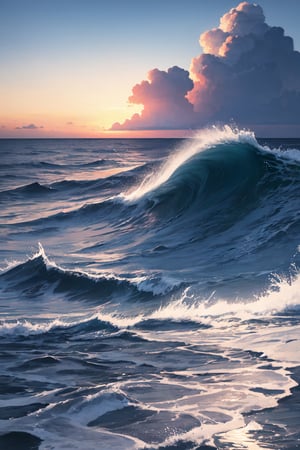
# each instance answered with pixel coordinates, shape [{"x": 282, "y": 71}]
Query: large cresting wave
[
  {"x": 219, "y": 170},
  {"x": 224, "y": 181},
  {"x": 211, "y": 145}
]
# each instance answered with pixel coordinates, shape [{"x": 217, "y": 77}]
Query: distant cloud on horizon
[
  {"x": 31, "y": 126},
  {"x": 248, "y": 72}
]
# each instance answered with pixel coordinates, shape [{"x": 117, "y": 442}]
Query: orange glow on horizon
[{"x": 39, "y": 126}]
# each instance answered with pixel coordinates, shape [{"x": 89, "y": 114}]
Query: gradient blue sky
[{"x": 68, "y": 66}]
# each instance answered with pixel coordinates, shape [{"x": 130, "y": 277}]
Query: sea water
[{"x": 150, "y": 293}]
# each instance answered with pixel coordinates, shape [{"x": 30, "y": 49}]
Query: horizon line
[{"x": 126, "y": 138}]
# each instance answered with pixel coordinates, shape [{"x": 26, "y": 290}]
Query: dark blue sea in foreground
[{"x": 150, "y": 293}]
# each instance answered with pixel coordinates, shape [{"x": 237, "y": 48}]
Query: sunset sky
[{"x": 68, "y": 67}]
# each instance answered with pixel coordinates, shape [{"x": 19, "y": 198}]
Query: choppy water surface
[{"x": 150, "y": 293}]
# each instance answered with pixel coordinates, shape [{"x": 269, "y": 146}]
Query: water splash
[{"x": 203, "y": 140}]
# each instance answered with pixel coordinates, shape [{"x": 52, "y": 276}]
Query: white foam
[
  {"x": 281, "y": 295},
  {"x": 230, "y": 396},
  {"x": 157, "y": 285},
  {"x": 288, "y": 154},
  {"x": 279, "y": 343},
  {"x": 39, "y": 325},
  {"x": 27, "y": 328},
  {"x": 242, "y": 437},
  {"x": 94, "y": 406}
]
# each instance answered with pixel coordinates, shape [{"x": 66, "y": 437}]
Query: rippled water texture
[{"x": 149, "y": 293}]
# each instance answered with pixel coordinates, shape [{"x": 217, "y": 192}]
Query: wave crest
[
  {"x": 202, "y": 141},
  {"x": 38, "y": 272}
]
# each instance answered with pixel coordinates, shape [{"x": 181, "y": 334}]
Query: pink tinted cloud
[
  {"x": 164, "y": 98},
  {"x": 248, "y": 72}
]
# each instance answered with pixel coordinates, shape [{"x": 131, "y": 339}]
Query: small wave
[
  {"x": 52, "y": 165},
  {"x": 31, "y": 164},
  {"x": 74, "y": 327},
  {"x": 96, "y": 163},
  {"x": 96, "y": 405},
  {"x": 281, "y": 296},
  {"x": 86, "y": 213},
  {"x": 28, "y": 327},
  {"x": 78, "y": 284},
  {"x": 31, "y": 189}
]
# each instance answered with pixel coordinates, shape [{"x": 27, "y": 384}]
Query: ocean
[{"x": 150, "y": 293}]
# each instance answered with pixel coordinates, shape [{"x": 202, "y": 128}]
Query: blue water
[{"x": 150, "y": 292}]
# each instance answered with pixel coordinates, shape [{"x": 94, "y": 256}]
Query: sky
[{"x": 97, "y": 68}]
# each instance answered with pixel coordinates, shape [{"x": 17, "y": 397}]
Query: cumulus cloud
[
  {"x": 246, "y": 18},
  {"x": 31, "y": 126},
  {"x": 252, "y": 73},
  {"x": 164, "y": 98},
  {"x": 248, "y": 72}
]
